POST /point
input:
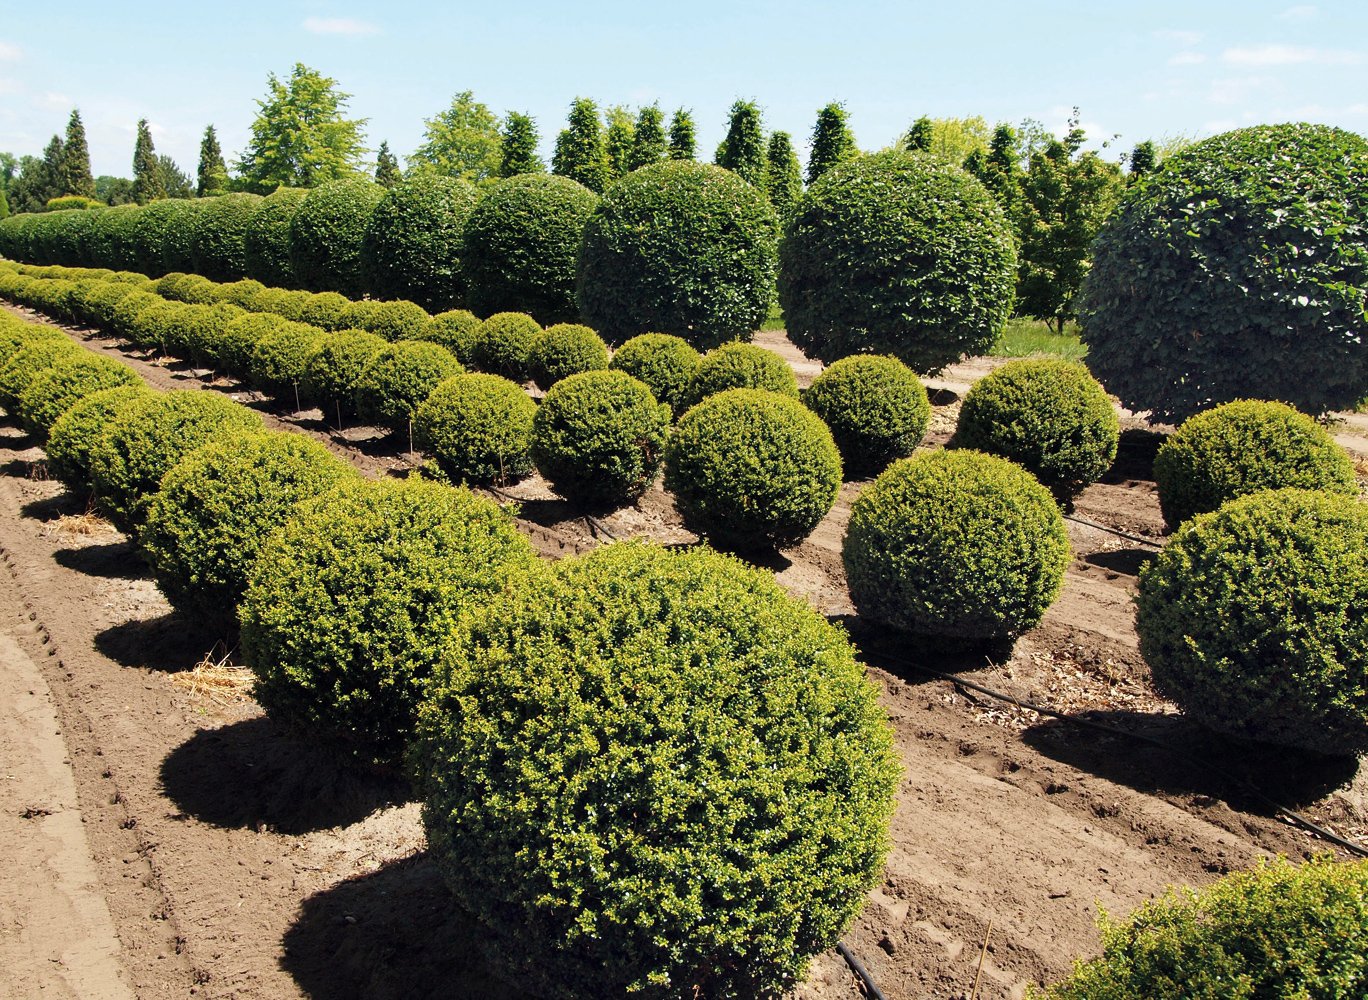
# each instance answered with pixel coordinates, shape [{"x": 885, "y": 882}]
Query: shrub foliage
[
  {"x": 665, "y": 363},
  {"x": 412, "y": 246},
  {"x": 876, "y": 408},
  {"x": 478, "y": 427},
  {"x": 326, "y": 232}
]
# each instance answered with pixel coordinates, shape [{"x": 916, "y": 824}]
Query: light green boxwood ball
[
  {"x": 30, "y": 363},
  {"x": 741, "y": 366},
  {"x": 279, "y": 358},
  {"x": 655, "y": 774},
  {"x": 400, "y": 377},
  {"x": 454, "y": 330},
  {"x": 478, "y": 427},
  {"x": 502, "y": 345},
  {"x": 956, "y": 545},
  {"x": 50, "y": 395},
  {"x": 566, "y": 349},
  {"x": 876, "y": 408},
  {"x": 752, "y": 469},
  {"x": 333, "y": 372},
  {"x": 354, "y": 601},
  {"x": 665, "y": 363},
  {"x": 397, "y": 320},
  {"x": 76, "y": 433}
]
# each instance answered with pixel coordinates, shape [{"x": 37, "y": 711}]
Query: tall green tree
[
  {"x": 212, "y": 176},
  {"x": 54, "y": 160},
  {"x": 175, "y": 182},
  {"x": 579, "y": 147},
  {"x": 783, "y": 182},
  {"x": 918, "y": 137},
  {"x": 518, "y": 146},
  {"x": 463, "y": 141},
  {"x": 617, "y": 140},
  {"x": 648, "y": 138},
  {"x": 32, "y": 185},
  {"x": 683, "y": 141},
  {"x": 999, "y": 168},
  {"x": 147, "y": 178},
  {"x": 301, "y": 137},
  {"x": 387, "y": 173},
  {"x": 1143, "y": 159},
  {"x": 742, "y": 149},
  {"x": 75, "y": 176},
  {"x": 114, "y": 190},
  {"x": 832, "y": 141}
]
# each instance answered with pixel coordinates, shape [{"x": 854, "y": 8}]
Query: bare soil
[{"x": 234, "y": 860}]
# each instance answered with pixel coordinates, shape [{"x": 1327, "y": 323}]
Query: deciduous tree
[
  {"x": 175, "y": 182},
  {"x": 579, "y": 147},
  {"x": 648, "y": 138},
  {"x": 518, "y": 146},
  {"x": 832, "y": 141},
  {"x": 463, "y": 141},
  {"x": 742, "y": 150},
  {"x": 617, "y": 140},
  {"x": 783, "y": 183},
  {"x": 300, "y": 137},
  {"x": 683, "y": 143}
]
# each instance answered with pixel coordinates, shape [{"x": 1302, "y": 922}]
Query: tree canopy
[
  {"x": 462, "y": 141},
  {"x": 300, "y": 137}
]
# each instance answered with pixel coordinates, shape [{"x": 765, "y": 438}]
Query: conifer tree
[
  {"x": 648, "y": 138},
  {"x": 386, "y": 166},
  {"x": 147, "y": 178},
  {"x": 48, "y": 182},
  {"x": 1142, "y": 161},
  {"x": 832, "y": 141},
  {"x": 76, "y": 177},
  {"x": 683, "y": 144},
  {"x": 212, "y": 176},
  {"x": 918, "y": 138},
  {"x": 783, "y": 183},
  {"x": 617, "y": 141},
  {"x": 742, "y": 150},
  {"x": 518, "y": 146},
  {"x": 999, "y": 170},
  {"x": 579, "y": 147}
]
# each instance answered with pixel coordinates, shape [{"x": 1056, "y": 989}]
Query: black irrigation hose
[
  {"x": 860, "y": 971},
  {"x": 1114, "y": 531}
]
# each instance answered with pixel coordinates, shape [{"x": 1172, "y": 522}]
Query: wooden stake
[{"x": 983, "y": 953}]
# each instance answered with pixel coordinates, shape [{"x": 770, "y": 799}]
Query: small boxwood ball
[
  {"x": 400, "y": 377},
  {"x": 326, "y": 233},
  {"x": 599, "y": 438},
  {"x": 1051, "y": 417},
  {"x": 1243, "y": 447},
  {"x": 77, "y": 432},
  {"x": 454, "y": 330},
  {"x": 237, "y": 342},
  {"x": 478, "y": 427},
  {"x": 665, "y": 363},
  {"x": 266, "y": 240},
  {"x": 876, "y": 408},
  {"x": 216, "y": 508},
  {"x": 752, "y": 469},
  {"x": 334, "y": 371},
  {"x": 413, "y": 243},
  {"x": 655, "y": 774},
  {"x": 741, "y": 366},
  {"x": 566, "y": 349},
  {"x": 30, "y": 363},
  {"x": 398, "y": 320},
  {"x": 1251, "y": 620},
  {"x": 241, "y": 293},
  {"x": 502, "y": 345},
  {"x": 47, "y": 397},
  {"x": 352, "y": 603},
  {"x": 321, "y": 309},
  {"x": 955, "y": 545},
  {"x": 279, "y": 358}
]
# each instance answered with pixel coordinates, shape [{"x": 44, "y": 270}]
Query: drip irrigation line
[
  {"x": 860, "y": 971},
  {"x": 1114, "y": 531}
]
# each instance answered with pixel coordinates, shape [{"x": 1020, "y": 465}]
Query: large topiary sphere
[
  {"x": 502, "y": 345},
  {"x": 1251, "y": 619},
  {"x": 741, "y": 366},
  {"x": 326, "y": 233},
  {"x": 400, "y": 377},
  {"x": 955, "y": 545},
  {"x": 678, "y": 247},
  {"x": 478, "y": 427},
  {"x": 1238, "y": 269},
  {"x": 333, "y": 372},
  {"x": 216, "y": 508},
  {"x": 521, "y": 243},
  {"x": 266, "y": 240},
  {"x": 353, "y": 602},
  {"x": 151, "y": 435},
  {"x": 876, "y": 408},
  {"x": 77, "y": 432},
  {"x": 1049, "y": 416},
  {"x": 1243, "y": 447},
  {"x": 218, "y": 240},
  {"x": 688, "y": 796},
  {"x": 566, "y": 349},
  {"x": 599, "y": 438},
  {"x": 1279, "y": 930},
  {"x": 897, "y": 253},
  {"x": 162, "y": 230},
  {"x": 665, "y": 363},
  {"x": 112, "y": 239},
  {"x": 412, "y": 247},
  {"x": 47, "y": 397},
  {"x": 752, "y": 469}
]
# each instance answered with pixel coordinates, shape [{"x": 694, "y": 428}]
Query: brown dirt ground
[{"x": 237, "y": 861}]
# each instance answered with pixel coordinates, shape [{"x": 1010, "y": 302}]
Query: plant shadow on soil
[
  {"x": 254, "y": 773},
  {"x": 1127, "y": 562},
  {"x": 395, "y": 934},
  {"x": 1135, "y": 453},
  {"x": 117, "y": 560},
  {"x": 169, "y": 643}
]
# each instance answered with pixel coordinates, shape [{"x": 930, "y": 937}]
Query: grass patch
[
  {"x": 1031, "y": 338},
  {"x": 775, "y": 318}
]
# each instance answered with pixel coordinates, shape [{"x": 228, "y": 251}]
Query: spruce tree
[
  {"x": 49, "y": 179},
  {"x": 918, "y": 138},
  {"x": 617, "y": 141},
  {"x": 147, "y": 179},
  {"x": 648, "y": 138},
  {"x": 742, "y": 151},
  {"x": 683, "y": 144},
  {"x": 518, "y": 146},
  {"x": 832, "y": 141},
  {"x": 76, "y": 177},
  {"x": 386, "y": 166},
  {"x": 212, "y": 177},
  {"x": 783, "y": 183},
  {"x": 579, "y": 148}
]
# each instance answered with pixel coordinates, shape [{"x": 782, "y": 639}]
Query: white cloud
[
  {"x": 1186, "y": 39},
  {"x": 1357, "y": 109},
  {"x": 1301, "y": 12},
  {"x": 8, "y": 87},
  {"x": 1235, "y": 90},
  {"x": 9, "y": 52},
  {"x": 1289, "y": 55},
  {"x": 339, "y": 26},
  {"x": 1187, "y": 59},
  {"x": 55, "y": 101}
]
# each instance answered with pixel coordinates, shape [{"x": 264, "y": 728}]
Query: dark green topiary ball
[
  {"x": 1238, "y": 269},
  {"x": 399, "y": 378},
  {"x": 112, "y": 238},
  {"x": 77, "y": 432},
  {"x": 266, "y": 240},
  {"x": 875, "y": 407},
  {"x": 599, "y": 438},
  {"x": 333, "y": 373},
  {"x": 665, "y": 363},
  {"x": 565, "y": 349},
  {"x": 413, "y": 244},
  {"x": 1049, "y": 416},
  {"x": 354, "y": 601},
  {"x": 218, "y": 246},
  {"x": 688, "y": 796},
  {"x": 741, "y": 366},
  {"x": 897, "y": 253},
  {"x": 478, "y": 427},
  {"x": 163, "y": 236},
  {"x": 502, "y": 345},
  {"x": 278, "y": 360},
  {"x": 752, "y": 469},
  {"x": 326, "y": 233},
  {"x": 1242, "y": 447},
  {"x": 1251, "y": 619},
  {"x": 957, "y": 545},
  {"x": 682, "y": 248},
  {"x": 47, "y": 397}
]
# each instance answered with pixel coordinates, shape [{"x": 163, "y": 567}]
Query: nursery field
[{"x": 218, "y": 856}]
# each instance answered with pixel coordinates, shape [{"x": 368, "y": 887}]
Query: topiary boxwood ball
[
  {"x": 688, "y": 796},
  {"x": 353, "y": 602},
  {"x": 1051, "y": 417},
  {"x": 678, "y": 247},
  {"x": 333, "y": 372},
  {"x": 412, "y": 246},
  {"x": 397, "y": 320},
  {"x": 599, "y": 438},
  {"x": 875, "y": 407},
  {"x": 955, "y": 545},
  {"x": 1237, "y": 270},
  {"x": 897, "y": 253},
  {"x": 1280, "y": 930},
  {"x": 478, "y": 427},
  {"x": 666, "y": 364},
  {"x": 326, "y": 233},
  {"x": 31, "y": 362},
  {"x": 77, "y": 432},
  {"x": 1243, "y": 447},
  {"x": 266, "y": 240},
  {"x": 522, "y": 240},
  {"x": 1251, "y": 619},
  {"x": 218, "y": 240},
  {"x": 752, "y": 469},
  {"x": 216, "y": 508},
  {"x": 741, "y": 366},
  {"x": 279, "y": 358},
  {"x": 454, "y": 330},
  {"x": 321, "y": 309},
  {"x": 47, "y": 397},
  {"x": 502, "y": 345},
  {"x": 400, "y": 377},
  {"x": 566, "y": 349},
  {"x": 112, "y": 238},
  {"x": 162, "y": 234}
]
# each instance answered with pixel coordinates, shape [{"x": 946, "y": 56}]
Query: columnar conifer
[{"x": 832, "y": 141}]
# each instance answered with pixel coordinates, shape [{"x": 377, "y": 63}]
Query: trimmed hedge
[
  {"x": 897, "y": 253},
  {"x": 690, "y": 798},
  {"x": 665, "y": 363},
  {"x": 413, "y": 244},
  {"x": 112, "y": 241},
  {"x": 351, "y": 605},
  {"x": 752, "y": 469},
  {"x": 162, "y": 237},
  {"x": 478, "y": 427},
  {"x": 76, "y": 433},
  {"x": 741, "y": 366},
  {"x": 266, "y": 240},
  {"x": 400, "y": 377},
  {"x": 333, "y": 372},
  {"x": 1242, "y": 447},
  {"x": 678, "y": 247},
  {"x": 326, "y": 233},
  {"x": 955, "y": 545},
  {"x": 565, "y": 349},
  {"x": 502, "y": 345},
  {"x": 876, "y": 408},
  {"x": 218, "y": 240},
  {"x": 54, "y": 391},
  {"x": 1251, "y": 619}
]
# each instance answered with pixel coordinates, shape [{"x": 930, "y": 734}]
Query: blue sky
[{"x": 1143, "y": 70}]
